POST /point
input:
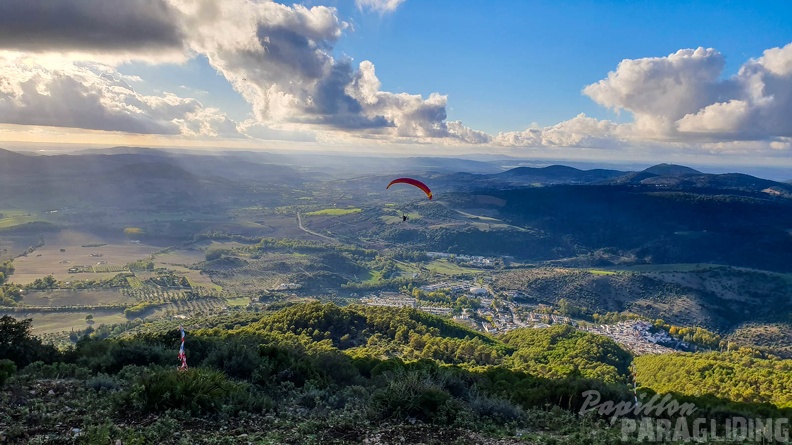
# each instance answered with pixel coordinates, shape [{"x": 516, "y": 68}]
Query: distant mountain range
[
  {"x": 661, "y": 176},
  {"x": 106, "y": 174}
]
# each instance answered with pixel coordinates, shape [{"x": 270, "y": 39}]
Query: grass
[
  {"x": 66, "y": 297},
  {"x": 371, "y": 277},
  {"x": 48, "y": 322},
  {"x": 238, "y": 301},
  {"x": 134, "y": 282},
  {"x": 334, "y": 212},
  {"x": 397, "y": 216},
  {"x": 14, "y": 218},
  {"x": 601, "y": 272},
  {"x": 50, "y": 260},
  {"x": 445, "y": 268}
]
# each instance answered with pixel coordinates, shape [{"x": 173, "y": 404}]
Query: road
[{"x": 299, "y": 223}]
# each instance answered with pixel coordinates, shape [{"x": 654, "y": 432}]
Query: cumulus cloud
[
  {"x": 463, "y": 133},
  {"x": 94, "y": 97},
  {"x": 683, "y": 97},
  {"x": 580, "y": 131},
  {"x": 140, "y": 28},
  {"x": 280, "y": 59},
  {"x": 381, "y": 6},
  {"x": 58, "y": 68},
  {"x": 258, "y": 130}
]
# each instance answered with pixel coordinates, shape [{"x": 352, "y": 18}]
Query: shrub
[
  {"x": 413, "y": 395},
  {"x": 197, "y": 391},
  {"x": 20, "y": 346},
  {"x": 237, "y": 360},
  {"x": 499, "y": 410},
  {"x": 7, "y": 369},
  {"x": 40, "y": 370},
  {"x": 102, "y": 381}
]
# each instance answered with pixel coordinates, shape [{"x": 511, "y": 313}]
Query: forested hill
[
  {"x": 651, "y": 224},
  {"x": 319, "y": 373},
  {"x": 410, "y": 334}
]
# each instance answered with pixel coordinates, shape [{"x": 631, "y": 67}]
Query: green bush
[
  {"x": 197, "y": 391},
  {"x": 7, "y": 369},
  {"x": 40, "y": 370},
  {"x": 499, "y": 410},
  {"x": 102, "y": 381},
  {"x": 236, "y": 359},
  {"x": 414, "y": 395},
  {"x": 20, "y": 346}
]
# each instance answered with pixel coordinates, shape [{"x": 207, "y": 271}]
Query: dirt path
[{"x": 299, "y": 223}]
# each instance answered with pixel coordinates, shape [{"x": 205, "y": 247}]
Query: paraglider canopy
[{"x": 413, "y": 182}]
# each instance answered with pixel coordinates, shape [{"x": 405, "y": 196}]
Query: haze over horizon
[{"x": 610, "y": 83}]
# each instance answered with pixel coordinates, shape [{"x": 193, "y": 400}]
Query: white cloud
[
  {"x": 280, "y": 59},
  {"x": 580, "y": 131},
  {"x": 682, "y": 96},
  {"x": 94, "y": 97},
  {"x": 463, "y": 133},
  {"x": 381, "y": 6},
  {"x": 258, "y": 130}
]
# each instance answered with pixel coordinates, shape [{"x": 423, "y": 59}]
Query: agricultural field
[
  {"x": 602, "y": 272},
  {"x": 64, "y": 250},
  {"x": 334, "y": 212},
  {"x": 10, "y": 218},
  {"x": 444, "y": 267},
  {"x": 51, "y": 322},
  {"x": 77, "y": 297},
  {"x": 13, "y": 245},
  {"x": 195, "y": 277},
  {"x": 179, "y": 257}
]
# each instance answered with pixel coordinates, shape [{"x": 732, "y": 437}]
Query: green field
[
  {"x": 238, "y": 301},
  {"x": 334, "y": 212},
  {"x": 134, "y": 282},
  {"x": 11, "y": 218},
  {"x": 446, "y": 268},
  {"x": 49, "y": 322},
  {"x": 602, "y": 272}
]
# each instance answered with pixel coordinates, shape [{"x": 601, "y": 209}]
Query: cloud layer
[
  {"x": 59, "y": 67},
  {"x": 682, "y": 95},
  {"x": 92, "y": 96},
  {"x": 135, "y": 27}
]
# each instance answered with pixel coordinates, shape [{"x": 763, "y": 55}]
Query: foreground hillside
[{"x": 319, "y": 373}]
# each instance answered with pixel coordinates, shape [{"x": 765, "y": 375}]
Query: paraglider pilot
[{"x": 182, "y": 355}]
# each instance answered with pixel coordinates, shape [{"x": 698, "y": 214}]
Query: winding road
[{"x": 299, "y": 223}]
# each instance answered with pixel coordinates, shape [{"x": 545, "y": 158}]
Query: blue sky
[
  {"x": 523, "y": 77},
  {"x": 507, "y": 64}
]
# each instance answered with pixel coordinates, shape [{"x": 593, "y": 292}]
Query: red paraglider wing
[{"x": 414, "y": 182}]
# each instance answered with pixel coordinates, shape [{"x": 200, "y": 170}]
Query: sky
[{"x": 604, "y": 80}]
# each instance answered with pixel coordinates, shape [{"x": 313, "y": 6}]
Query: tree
[
  {"x": 19, "y": 346},
  {"x": 133, "y": 231}
]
